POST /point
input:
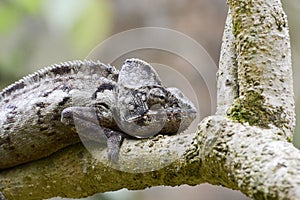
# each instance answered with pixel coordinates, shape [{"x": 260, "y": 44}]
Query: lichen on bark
[
  {"x": 263, "y": 56},
  {"x": 251, "y": 108}
]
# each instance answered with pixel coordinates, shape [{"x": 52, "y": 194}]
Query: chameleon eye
[
  {"x": 141, "y": 124},
  {"x": 157, "y": 92},
  {"x": 156, "y": 96}
]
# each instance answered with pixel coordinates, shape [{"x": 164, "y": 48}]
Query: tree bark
[{"x": 246, "y": 146}]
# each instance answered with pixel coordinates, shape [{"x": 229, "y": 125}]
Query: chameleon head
[{"x": 143, "y": 107}]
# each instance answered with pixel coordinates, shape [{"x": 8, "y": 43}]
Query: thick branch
[
  {"x": 73, "y": 172},
  {"x": 255, "y": 161},
  {"x": 258, "y": 162},
  {"x": 264, "y": 65}
]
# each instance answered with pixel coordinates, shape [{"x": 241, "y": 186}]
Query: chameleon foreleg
[
  {"x": 114, "y": 142},
  {"x": 86, "y": 121}
]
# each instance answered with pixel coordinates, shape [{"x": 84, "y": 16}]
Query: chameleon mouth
[
  {"x": 152, "y": 122},
  {"x": 161, "y": 114},
  {"x": 165, "y": 113}
]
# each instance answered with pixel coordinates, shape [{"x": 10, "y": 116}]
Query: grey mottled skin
[
  {"x": 30, "y": 109},
  {"x": 46, "y": 111},
  {"x": 143, "y": 107}
]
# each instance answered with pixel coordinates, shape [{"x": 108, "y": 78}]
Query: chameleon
[{"x": 61, "y": 104}]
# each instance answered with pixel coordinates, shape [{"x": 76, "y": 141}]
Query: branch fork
[{"x": 246, "y": 146}]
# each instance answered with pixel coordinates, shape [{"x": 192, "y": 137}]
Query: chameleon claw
[{"x": 2, "y": 197}]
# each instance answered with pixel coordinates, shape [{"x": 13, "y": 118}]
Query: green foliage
[
  {"x": 29, "y": 6},
  {"x": 9, "y": 18},
  {"x": 40, "y": 31},
  {"x": 92, "y": 26},
  {"x": 11, "y": 13}
]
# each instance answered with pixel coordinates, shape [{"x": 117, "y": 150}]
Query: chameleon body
[{"x": 47, "y": 110}]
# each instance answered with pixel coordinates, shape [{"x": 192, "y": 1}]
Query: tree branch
[
  {"x": 258, "y": 162},
  {"x": 227, "y": 73},
  {"x": 265, "y": 83},
  {"x": 248, "y": 151}
]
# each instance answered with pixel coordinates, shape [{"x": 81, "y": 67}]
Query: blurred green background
[{"x": 37, "y": 33}]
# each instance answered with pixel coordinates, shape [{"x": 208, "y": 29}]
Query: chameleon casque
[{"x": 46, "y": 111}]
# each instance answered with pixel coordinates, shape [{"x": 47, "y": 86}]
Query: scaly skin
[{"x": 46, "y": 111}]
